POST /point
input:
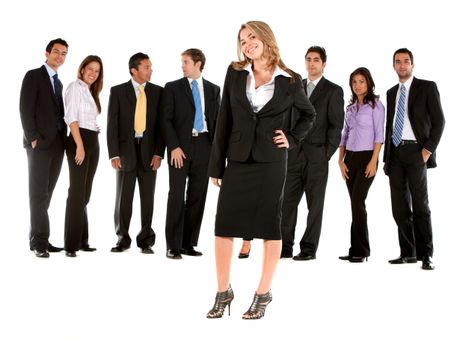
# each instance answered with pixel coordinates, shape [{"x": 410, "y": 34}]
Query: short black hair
[
  {"x": 197, "y": 56},
  {"x": 135, "y": 60},
  {"x": 320, "y": 50},
  {"x": 403, "y": 50},
  {"x": 56, "y": 41}
]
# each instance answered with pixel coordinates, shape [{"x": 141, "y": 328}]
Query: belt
[
  {"x": 197, "y": 134},
  {"x": 407, "y": 142}
]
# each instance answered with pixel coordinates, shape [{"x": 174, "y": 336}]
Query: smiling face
[
  {"x": 144, "y": 71},
  {"x": 359, "y": 86},
  {"x": 251, "y": 46},
  {"x": 56, "y": 57},
  {"x": 90, "y": 73}
]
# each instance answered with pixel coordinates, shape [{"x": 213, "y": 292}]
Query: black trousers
[
  {"x": 44, "y": 167},
  {"x": 409, "y": 198},
  {"x": 125, "y": 185},
  {"x": 185, "y": 204},
  {"x": 81, "y": 177},
  {"x": 358, "y": 188},
  {"x": 304, "y": 176}
]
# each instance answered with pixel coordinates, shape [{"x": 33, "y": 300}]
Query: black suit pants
[
  {"x": 185, "y": 206},
  {"x": 126, "y": 182},
  {"x": 409, "y": 199},
  {"x": 44, "y": 167},
  {"x": 81, "y": 178},
  {"x": 309, "y": 176},
  {"x": 358, "y": 187}
]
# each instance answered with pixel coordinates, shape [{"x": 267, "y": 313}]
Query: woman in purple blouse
[{"x": 361, "y": 141}]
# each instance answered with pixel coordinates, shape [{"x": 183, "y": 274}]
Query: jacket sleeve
[
  {"x": 223, "y": 130},
  {"x": 436, "y": 116},
  {"x": 28, "y": 101},
  {"x": 112, "y": 130},
  {"x": 335, "y": 120},
  {"x": 167, "y": 117},
  {"x": 304, "y": 117},
  {"x": 159, "y": 144}
]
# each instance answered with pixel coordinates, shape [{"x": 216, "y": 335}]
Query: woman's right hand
[
  {"x": 216, "y": 182},
  {"x": 344, "y": 170},
  {"x": 79, "y": 155}
]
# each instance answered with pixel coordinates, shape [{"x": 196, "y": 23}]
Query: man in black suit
[
  {"x": 44, "y": 132},
  {"x": 415, "y": 122},
  {"x": 135, "y": 148},
  {"x": 308, "y": 164},
  {"x": 190, "y": 107}
]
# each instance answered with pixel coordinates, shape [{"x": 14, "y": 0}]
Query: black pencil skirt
[{"x": 250, "y": 200}]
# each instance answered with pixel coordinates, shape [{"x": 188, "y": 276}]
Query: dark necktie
[
  {"x": 58, "y": 86},
  {"x": 58, "y": 94}
]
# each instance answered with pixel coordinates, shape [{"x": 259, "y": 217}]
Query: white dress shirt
[
  {"x": 408, "y": 133},
  {"x": 80, "y": 106},
  {"x": 202, "y": 99},
  {"x": 258, "y": 98}
]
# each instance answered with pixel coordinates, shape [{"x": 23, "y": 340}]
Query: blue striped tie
[
  {"x": 399, "y": 118},
  {"x": 198, "y": 121}
]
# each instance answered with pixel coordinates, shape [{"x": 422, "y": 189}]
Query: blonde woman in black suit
[{"x": 255, "y": 128}]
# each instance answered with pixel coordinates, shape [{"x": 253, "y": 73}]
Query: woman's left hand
[
  {"x": 371, "y": 169},
  {"x": 280, "y": 139}
]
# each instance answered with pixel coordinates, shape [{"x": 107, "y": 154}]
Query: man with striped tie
[
  {"x": 189, "y": 110},
  {"x": 415, "y": 122}
]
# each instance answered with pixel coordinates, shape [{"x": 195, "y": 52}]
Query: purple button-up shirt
[{"x": 364, "y": 127}]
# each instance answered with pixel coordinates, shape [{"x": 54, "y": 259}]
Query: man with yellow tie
[{"x": 135, "y": 149}]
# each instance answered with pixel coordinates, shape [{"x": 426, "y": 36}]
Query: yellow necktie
[{"x": 141, "y": 111}]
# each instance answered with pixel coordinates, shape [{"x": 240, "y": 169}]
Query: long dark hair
[
  {"x": 97, "y": 86},
  {"x": 370, "y": 96}
]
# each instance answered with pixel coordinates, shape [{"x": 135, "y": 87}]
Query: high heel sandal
[
  {"x": 258, "y": 307},
  {"x": 223, "y": 299}
]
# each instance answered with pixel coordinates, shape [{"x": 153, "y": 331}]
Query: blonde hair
[{"x": 271, "y": 52}]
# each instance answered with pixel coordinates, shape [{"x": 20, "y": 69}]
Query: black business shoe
[
  {"x": 354, "y": 259},
  {"x": 52, "y": 248},
  {"x": 71, "y": 254},
  {"x": 304, "y": 256},
  {"x": 119, "y": 248},
  {"x": 147, "y": 250},
  {"x": 403, "y": 260},
  {"x": 41, "y": 253},
  {"x": 190, "y": 252},
  {"x": 87, "y": 248},
  {"x": 427, "y": 263},
  {"x": 286, "y": 253},
  {"x": 173, "y": 254}
]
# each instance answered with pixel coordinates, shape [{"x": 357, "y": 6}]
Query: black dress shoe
[
  {"x": 71, "y": 254},
  {"x": 344, "y": 257},
  {"x": 427, "y": 263},
  {"x": 147, "y": 250},
  {"x": 87, "y": 248},
  {"x": 119, "y": 248},
  {"x": 41, "y": 253},
  {"x": 52, "y": 248},
  {"x": 173, "y": 254},
  {"x": 286, "y": 254},
  {"x": 354, "y": 259},
  {"x": 304, "y": 256},
  {"x": 190, "y": 252},
  {"x": 403, "y": 260}
]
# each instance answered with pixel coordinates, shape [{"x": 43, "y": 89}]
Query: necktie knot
[{"x": 141, "y": 88}]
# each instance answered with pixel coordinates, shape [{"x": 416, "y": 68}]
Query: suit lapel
[
  {"x": 281, "y": 87},
  {"x": 413, "y": 90},
  {"x": 131, "y": 95},
  {"x": 48, "y": 82},
  {"x": 242, "y": 91},
  {"x": 317, "y": 90},
  {"x": 187, "y": 90}
]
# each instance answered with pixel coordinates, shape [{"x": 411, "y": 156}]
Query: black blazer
[
  {"x": 328, "y": 101},
  {"x": 425, "y": 114},
  {"x": 39, "y": 110},
  {"x": 178, "y": 113},
  {"x": 120, "y": 131},
  {"x": 241, "y": 132}
]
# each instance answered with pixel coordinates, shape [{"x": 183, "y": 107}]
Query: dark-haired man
[
  {"x": 44, "y": 132},
  {"x": 135, "y": 148},
  {"x": 308, "y": 164},
  {"x": 415, "y": 122},
  {"x": 190, "y": 107}
]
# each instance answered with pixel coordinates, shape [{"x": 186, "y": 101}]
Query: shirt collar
[
  {"x": 407, "y": 84},
  {"x": 50, "y": 71},
  {"x": 136, "y": 84},
  {"x": 315, "y": 82},
  {"x": 277, "y": 72},
  {"x": 199, "y": 81},
  {"x": 82, "y": 83}
]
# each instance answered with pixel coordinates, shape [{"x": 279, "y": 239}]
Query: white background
[{"x": 131, "y": 296}]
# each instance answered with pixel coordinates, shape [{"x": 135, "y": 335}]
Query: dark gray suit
[{"x": 308, "y": 167}]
